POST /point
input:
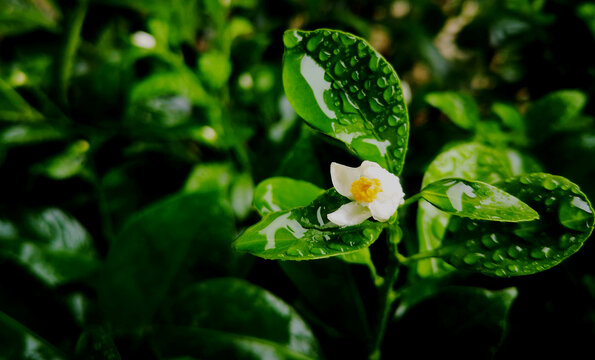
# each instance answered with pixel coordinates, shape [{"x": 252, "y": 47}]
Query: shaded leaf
[
  {"x": 460, "y": 108},
  {"x": 281, "y": 193}
]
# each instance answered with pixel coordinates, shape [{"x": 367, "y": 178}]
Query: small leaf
[
  {"x": 281, "y": 193},
  {"x": 305, "y": 233},
  {"x": 231, "y": 318},
  {"x": 557, "y": 110},
  {"x": 215, "y": 68},
  {"x": 13, "y": 107},
  {"x": 342, "y": 87},
  {"x": 476, "y": 200},
  {"x": 460, "y": 108},
  {"x": 67, "y": 164},
  {"x": 511, "y": 249}
]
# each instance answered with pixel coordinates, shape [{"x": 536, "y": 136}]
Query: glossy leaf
[
  {"x": 470, "y": 161},
  {"x": 154, "y": 245},
  {"x": 476, "y": 200},
  {"x": 29, "y": 134},
  {"x": 305, "y": 233},
  {"x": 231, "y": 318},
  {"x": 459, "y": 322},
  {"x": 341, "y": 86},
  {"x": 511, "y": 249},
  {"x": 66, "y": 164},
  {"x": 52, "y": 244},
  {"x": 460, "y": 108},
  {"x": 281, "y": 193}
]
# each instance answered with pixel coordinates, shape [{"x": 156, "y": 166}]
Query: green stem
[
  {"x": 71, "y": 45},
  {"x": 411, "y": 200},
  {"x": 387, "y": 295}
]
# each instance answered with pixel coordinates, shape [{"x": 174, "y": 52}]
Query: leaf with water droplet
[
  {"x": 476, "y": 200},
  {"x": 340, "y": 89},
  {"x": 282, "y": 193},
  {"x": 305, "y": 233},
  {"x": 460, "y": 108},
  {"x": 524, "y": 248},
  {"x": 468, "y": 160}
]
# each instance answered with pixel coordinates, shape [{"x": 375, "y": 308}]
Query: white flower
[{"x": 375, "y": 191}]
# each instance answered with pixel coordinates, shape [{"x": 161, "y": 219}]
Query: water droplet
[
  {"x": 375, "y": 105},
  {"x": 324, "y": 55},
  {"x": 514, "y": 251},
  {"x": 374, "y": 62},
  {"x": 336, "y": 246},
  {"x": 392, "y": 79},
  {"x": 501, "y": 273},
  {"x": 368, "y": 84},
  {"x": 471, "y": 225},
  {"x": 540, "y": 253},
  {"x": 402, "y": 130},
  {"x": 550, "y": 183},
  {"x": 489, "y": 265},
  {"x": 397, "y": 109},
  {"x": 498, "y": 255},
  {"x": 565, "y": 186},
  {"x": 347, "y": 40},
  {"x": 382, "y": 128},
  {"x": 369, "y": 233},
  {"x": 353, "y": 61},
  {"x": 295, "y": 252},
  {"x": 317, "y": 251},
  {"x": 314, "y": 42},
  {"x": 393, "y": 120},
  {"x": 566, "y": 241},
  {"x": 513, "y": 268},
  {"x": 470, "y": 244},
  {"x": 471, "y": 259},
  {"x": 525, "y": 180},
  {"x": 361, "y": 95},
  {"x": 291, "y": 38},
  {"x": 490, "y": 241},
  {"x": 335, "y": 36},
  {"x": 576, "y": 214},
  {"x": 381, "y": 82},
  {"x": 388, "y": 93},
  {"x": 340, "y": 68},
  {"x": 550, "y": 200},
  {"x": 355, "y": 75}
]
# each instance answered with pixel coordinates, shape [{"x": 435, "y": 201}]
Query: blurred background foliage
[{"x": 132, "y": 134}]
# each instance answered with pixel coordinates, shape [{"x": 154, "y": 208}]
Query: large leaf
[
  {"x": 460, "y": 108},
  {"x": 52, "y": 244},
  {"x": 231, "y": 318},
  {"x": 281, "y": 193},
  {"x": 305, "y": 233},
  {"x": 341, "y": 86},
  {"x": 470, "y": 161},
  {"x": 458, "y": 322},
  {"x": 510, "y": 249},
  {"x": 476, "y": 200},
  {"x": 152, "y": 248}
]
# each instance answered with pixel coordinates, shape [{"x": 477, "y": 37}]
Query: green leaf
[
  {"x": 180, "y": 82},
  {"x": 305, "y": 233},
  {"x": 509, "y": 115},
  {"x": 242, "y": 194},
  {"x": 231, "y": 318},
  {"x": 342, "y": 87},
  {"x": 18, "y": 16},
  {"x": 555, "y": 111},
  {"x": 511, "y": 249},
  {"x": 460, "y": 108},
  {"x": 13, "y": 107},
  {"x": 67, "y": 164},
  {"x": 460, "y": 322},
  {"x": 52, "y": 244},
  {"x": 214, "y": 68},
  {"x": 153, "y": 247},
  {"x": 470, "y": 161},
  {"x": 29, "y": 134},
  {"x": 476, "y": 200},
  {"x": 209, "y": 176},
  {"x": 281, "y": 193},
  {"x": 19, "y": 342}
]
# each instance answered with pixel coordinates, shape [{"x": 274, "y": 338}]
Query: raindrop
[
  {"x": 355, "y": 75},
  {"x": 374, "y": 62},
  {"x": 291, "y": 39},
  {"x": 490, "y": 241},
  {"x": 388, "y": 92},
  {"x": 295, "y": 252},
  {"x": 471, "y": 259},
  {"x": 540, "y": 253},
  {"x": 550, "y": 183},
  {"x": 347, "y": 40},
  {"x": 353, "y": 88},
  {"x": 317, "y": 251},
  {"x": 375, "y": 105},
  {"x": 340, "y": 68},
  {"x": 514, "y": 251},
  {"x": 381, "y": 82},
  {"x": 324, "y": 55},
  {"x": 314, "y": 42},
  {"x": 498, "y": 255},
  {"x": 354, "y": 60},
  {"x": 513, "y": 268},
  {"x": 361, "y": 95},
  {"x": 501, "y": 272},
  {"x": 402, "y": 130},
  {"x": 393, "y": 120}
]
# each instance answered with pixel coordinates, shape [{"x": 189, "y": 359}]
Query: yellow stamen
[{"x": 365, "y": 190}]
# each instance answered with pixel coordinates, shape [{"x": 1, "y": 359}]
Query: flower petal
[
  {"x": 383, "y": 209},
  {"x": 342, "y": 177},
  {"x": 350, "y": 214},
  {"x": 389, "y": 182}
]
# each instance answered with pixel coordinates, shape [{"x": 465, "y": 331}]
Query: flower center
[{"x": 365, "y": 190}]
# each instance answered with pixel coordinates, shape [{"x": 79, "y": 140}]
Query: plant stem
[
  {"x": 411, "y": 200},
  {"x": 420, "y": 256},
  {"x": 71, "y": 44},
  {"x": 387, "y": 295}
]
